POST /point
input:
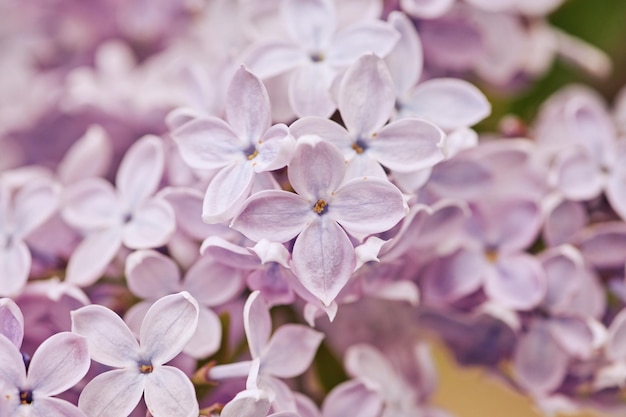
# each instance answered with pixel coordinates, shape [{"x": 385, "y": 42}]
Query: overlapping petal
[
  {"x": 150, "y": 274},
  {"x": 247, "y": 107},
  {"x": 290, "y": 351},
  {"x": 112, "y": 394},
  {"x": 139, "y": 174},
  {"x": 316, "y": 169},
  {"x": 169, "y": 392},
  {"x": 257, "y": 323}
]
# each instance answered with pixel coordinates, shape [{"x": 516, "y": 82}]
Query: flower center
[
  {"x": 316, "y": 56},
  {"x": 26, "y": 397},
  {"x": 491, "y": 255},
  {"x": 146, "y": 368},
  {"x": 251, "y": 152},
  {"x": 359, "y": 146},
  {"x": 320, "y": 207}
]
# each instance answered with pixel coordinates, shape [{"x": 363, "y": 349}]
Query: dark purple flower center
[
  {"x": 146, "y": 367},
  {"x": 26, "y": 397}
]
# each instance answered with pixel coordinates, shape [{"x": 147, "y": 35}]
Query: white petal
[
  {"x": 91, "y": 204},
  {"x": 149, "y": 274},
  {"x": 247, "y": 107},
  {"x": 227, "y": 192},
  {"x": 112, "y": 394},
  {"x": 257, "y": 323},
  {"x": 12, "y": 370},
  {"x": 248, "y": 403},
  {"x": 316, "y": 169},
  {"x": 15, "y": 263},
  {"x": 311, "y": 23},
  {"x": 170, "y": 393},
  {"x": 54, "y": 407},
  {"x": 92, "y": 256},
  {"x": 11, "y": 321},
  {"x": 290, "y": 351},
  {"x": 89, "y": 156},
  {"x": 151, "y": 225},
  {"x": 309, "y": 90},
  {"x": 374, "y": 36},
  {"x": 406, "y": 59},
  {"x": 33, "y": 205},
  {"x": 208, "y": 336}
]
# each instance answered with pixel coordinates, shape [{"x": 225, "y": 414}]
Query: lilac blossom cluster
[{"x": 205, "y": 208}]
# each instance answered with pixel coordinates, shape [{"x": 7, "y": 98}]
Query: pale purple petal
[
  {"x": 140, "y": 172},
  {"x": 366, "y": 96},
  {"x": 577, "y": 175},
  {"x": 248, "y": 403},
  {"x": 229, "y": 253},
  {"x": 33, "y": 205},
  {"x": 406, "y": 60},
  {"x": 149, "y": 274},
  {"x": 54, "y": 407},
  {"x": 326, "y": 129},
  {"x": 187, "y": 204},
  {"x": 208, "y": 143},
  {"x": 407, "y": 145},
  {"x": 257, "y": 323},
  {"x": 311, "y": 23},
  {"x": 109, "y": 340},
  {"x": 516, "y": 281},
  {"x": 539, "y": 363},
  {"x": 367, "y": 206},
  {"x": 277, "y": 214},
  {"x": 247, "y": 107},
  {"x": 370, "y": 366},
  {"x": 208, "y": 336},
  {"x": 113, "y": 393},
  {"x": 375, "y": 37},
  {"x": 573, "y": 335},
  {"x": 169, "y": 392},
  {"x": 272, "y": 58},
  {"x": 564, "y": 221},
  {"x": 151, "y": 225},
  {"x": 11, "y": 364},
  {"x": 134, "y": 316},
  {"x": 616, "y": 185},
  {"x": 91, "y": 204},
  {"x": 167, "y": 327},
  {"x": 455, "y": 276},
  {"x": 514, "y": 223},
  {"x": 426, "y": 9},
  {"x": 603, "y": 245},
  {"x": 616, "y": 343},
  {"x": 15, "y": 263},
  {"x": 89, "y": 156},
  {"x": 211, "y": 282},
  {"x": 275, "y": 149},
  {"x": 352, "y": 398},
  {"x": 290, "y": 351},
  {"x": 316, "y": 169},
  {"x": 92, "y": 256},
  {"x": 11, "y": 321},
  {"x": 58, "y": 364},
  {"x": 309, "y": 90},
  {"x": 449, "y": 103},
  {"x": 227, "y": 192},
  {"x": 323, "y": 258},
  {"x": 271, "y": 252}
]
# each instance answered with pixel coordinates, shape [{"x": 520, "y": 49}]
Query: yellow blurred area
[{"x": 471, "y": 392}]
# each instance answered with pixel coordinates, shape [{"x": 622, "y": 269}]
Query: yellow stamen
[
  {"x": 357, "y": 148},
  {"x": 253, "y": 155},
  {"x": 491, "y": 255},
  {"x": 146, "y": 369},
  {"x": 319, "y": 206}
]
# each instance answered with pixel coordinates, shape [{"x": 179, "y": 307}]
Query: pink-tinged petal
[
  {"x": 208, "y": 143},
  {"x": 257, "y": 323},
  {"x": 290, "y": 351},
  {"x": 275, "y": 284},
  {"x": 275, "y": 149},
  {"x": 323, "y": 258},
  {"x": 58, "y": 364},
  {"x": 367, "y": 206},
  {"x": 604, "y": 245},
  {"x": 326, "y": 129},
  {"x": 15, "y": 263},
  {"x": 407, "y": 145},
  {"x": 169, "y": 392},
  {"x": 150, "y": 274},
  {"x": 316, "y": 169},
  {"x": 277, "y": 214},
  {"x": 213, "y": 283},
  {"x": 564, "y": 274},
  {"x": 352, "y": 398},
  {"x": 168, "y": 326},
  {"x": 372, "y": 368},
  {"x": 516, "y": 281},
  {"x": 33, "y": 205},
  {"x": 540, "y": 364},
  {"x": 54, "y": 407},
  {"x": 455, "y": 276},
  {"x": 92, "y": 256},
  {"x": 564, "y": 221},
  {"x": 616, "y": 185},
  {"x": 272, "y": 58},
  {"x": 406, "y": 60},
  {"x": 11, "y": 321},
  {"x": 449, "y": 103},
  {"x": 91, "y": 204},
  {"x": 309, "y": 90},
  {"x": 187, "y": 204},
  {"x": 12, "y": 369},
  {"x": 140, "y": 172},
  {"x": 151, "y": 225},
  {"x": 109, "y": 340},
  {"x": 426, "y": 9},
  {"x": 247, "y": 107},
  {"x": 271, "y": 252},
  {"x": 248, "y": 403},
  {"x": 577, "y": 175},
  {"x": 362, "y": 165},
  {"x": 135, "y": 315},
  {"x": 573, "y": 335},
  {"x": 112, "y": 393},
  {"x": 227, "y": 192},
  {"x": 366, "y": 96},
  {"x": 514, "y": 224},
  {"x": 311, "y": 23},
  {"x": 89, "y": 156},
  {"x": 229, "y": 253},
  {"x": 616, "y": 344},
  {"x": 208, "y": 336},
  {"x": 233, "y": 370},
  {"x": 375, "y": 37}
]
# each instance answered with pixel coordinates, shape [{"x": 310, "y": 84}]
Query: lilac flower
[
  {"x": 166, "y": 329},
  {"x": 111, "y": 217},
  {"x": 58, "y": 364},
  {"x": 242, "y": 148},
  {"x": 322, "y": 213},
  {"x": 406, "y": 145},
  {"x": 316, "y": 51}
]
